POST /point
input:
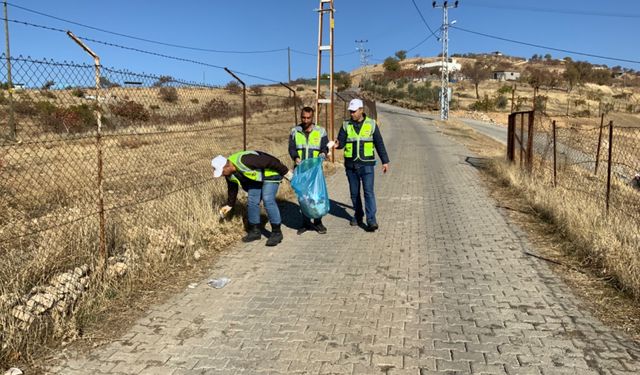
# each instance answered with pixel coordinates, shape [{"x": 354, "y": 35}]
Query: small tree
[
  {"x": 233, "y": 87},
  {"x": 391, "y": 64},
  {"x": 162, "y": 80},
  {"x": 49, "y": 84},
  {"x": 168, "y": 94},
  {"x": 401, "y": 55},
  {"x": 477, "y": 73},
  {"x": 342, "y": 80}
]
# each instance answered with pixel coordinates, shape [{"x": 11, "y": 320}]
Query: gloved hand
[
  {"x": 289, "y": 175},
  {"x": 223, "y": 211}
]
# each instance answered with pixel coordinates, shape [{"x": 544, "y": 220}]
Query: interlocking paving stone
[{"x": 444, "y": 287}]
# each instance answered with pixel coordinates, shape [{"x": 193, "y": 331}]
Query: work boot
[
  {"x": 276, "y": 235},
  {"x": 319, "y": 227},
  {"x": 372, "y": 227},
  {"x": 253, "y": 234},
  {"x": 355, "y": 222}
]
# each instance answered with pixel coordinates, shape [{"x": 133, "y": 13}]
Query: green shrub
[
  {"x": 583, "y": 113},
  {"x": 154, "y": 107},
  {"x": 506, "y": 89},
  {"x": 73, "y": 119},
  {"x": 300, "y": 88},
  {"x": 25, "y": 107},
  {"x": 501, "y": 102},
  {"x": 194, "y": 100},
  {"x": 486, "y": 104},
  {"x": 168, "y": 94},
  {"x": 3, "y": 99},
  {"x": 290, "y": 102},
  {"x": 233, "y": 87},
  {"x": 130, "y": 110},
  {"x": 48, "y": 94},
  {"x": 216, "y": 109},
  {"x": 78, "y": 92},
  {"x": 541, "y": 102},
  {"x": 256, "y": 90}
]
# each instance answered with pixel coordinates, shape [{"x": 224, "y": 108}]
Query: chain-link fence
[
  {"x": 600, "y": 163},
  {"x": 100, "y": 174}
]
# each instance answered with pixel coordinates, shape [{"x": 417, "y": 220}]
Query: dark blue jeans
[
  {"x": 267, "y": 193},
  {"x": 363, "y": 175}
]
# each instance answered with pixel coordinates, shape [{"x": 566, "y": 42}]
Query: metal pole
[
  {"x": 319, "y": 73},
  {"x": 609, "y": 162},
  {"x": 244, "y": 108},
  {"x": 101, "y": 214},
  {"x": 289, "y": 65},
  {"x": 530, "y": 131},
  {"x": 295, "y": 103},
  {"x": 599, "y": 143},
  {"x": 12, "y": 121},
  {"x": 554, "y": 154},
  {"x": 513, "y": 97},
  {"x": 331, "y": 85}
]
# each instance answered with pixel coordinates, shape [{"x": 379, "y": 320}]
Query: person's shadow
[{"x": 292, "y": 217}]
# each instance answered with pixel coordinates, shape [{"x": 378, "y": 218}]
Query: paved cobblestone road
[{"x": 443, "y": 287}]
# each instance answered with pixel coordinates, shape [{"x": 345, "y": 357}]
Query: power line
[
  {"x": 423, "y": 20},
  {"x": 546, "y": 47},
  {"x": 146, "y": 40},
  {"x": 559, "y": 11}
]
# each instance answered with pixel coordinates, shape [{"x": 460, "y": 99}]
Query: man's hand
[
  {"x": 289, "y": 175},
  {"x": 385, "y": 168},
  {"x": 298, "y": 161},
  {"x": 223, "y": 211},
  {"x": 333, "y": 144}
]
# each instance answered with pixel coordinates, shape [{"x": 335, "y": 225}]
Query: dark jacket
[
  {"x": 377, "y": 141},
  {"x": 260, "y": 161}
]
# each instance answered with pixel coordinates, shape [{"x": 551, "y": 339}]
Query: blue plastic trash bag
[{"x": 310, "y": 187}]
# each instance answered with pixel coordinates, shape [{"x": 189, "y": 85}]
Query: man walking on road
[
  {"x": 359, "y": 136},
  {"x": 259, "y": 174},
  {"x": 308, "y": 140}
]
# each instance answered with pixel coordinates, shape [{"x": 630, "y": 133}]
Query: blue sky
[{"x": 608, "y": 29}]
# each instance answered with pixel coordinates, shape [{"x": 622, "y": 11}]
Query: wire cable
[
  {"x": 559, "y": 11},
  {"x": 146, "y": 40},
  {"x": 546, "y": 47},
  {"x": 422, "y": 17}
]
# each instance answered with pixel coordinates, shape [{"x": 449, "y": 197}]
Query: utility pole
[{"x": 444, "y": 79}]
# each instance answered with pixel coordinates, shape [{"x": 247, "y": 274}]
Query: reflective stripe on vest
[
  {"x": 308, "y": 148},
  {"x": 252, "y": 174},
  {"x": 362, "y": 141}
]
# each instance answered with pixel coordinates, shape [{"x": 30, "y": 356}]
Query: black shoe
[
  {"x": 274, "y": 239},
  {"x": 372, "y": 227},
  {"x": 320, "y": 228},
  {"x": 355, "y": 222},
  {"x": 306, "y": 225},
  {"x": 253, "y": 234}
]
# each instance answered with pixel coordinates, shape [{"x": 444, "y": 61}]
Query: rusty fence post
[
  {"x": 12, "y": 120},
  {"x": 101, "y": 212},
  {"x": 530, "y": 133},
  {"x": 511, "y": 128},
  {"x": 295, "y": 103},
  {"x": 609, "y": 162},
  {"x": 521, "y": 139},
  {"x": 595, "y": 172},
  {"x": 554, "y": 154},
  {"x": 244, "y": 108}
]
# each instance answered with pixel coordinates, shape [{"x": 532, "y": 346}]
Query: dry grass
[
  {"x": 159, "y": 199},
  {"x": 596, "y": 254}
]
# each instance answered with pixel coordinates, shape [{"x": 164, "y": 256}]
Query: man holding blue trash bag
[
  {"x": 359, "y": 137},
  {"x": 308, "y": 140},
  {"x": 259, "y": 174}
]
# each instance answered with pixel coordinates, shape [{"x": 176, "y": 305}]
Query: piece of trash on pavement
[
  {"x": 192, "y": 285},
  {"x": 219, "y": 283},
  {"x": 13, "y": 371}
]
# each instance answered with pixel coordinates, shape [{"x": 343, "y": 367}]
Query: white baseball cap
[
  {"x": 217, "y": 164},
  {"x": 355, "y": 104}
]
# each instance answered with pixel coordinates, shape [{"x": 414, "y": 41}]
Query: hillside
[{"x": 615, "y": 90}]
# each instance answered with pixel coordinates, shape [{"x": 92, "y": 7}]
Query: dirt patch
[{"x": 597, "y": 292}]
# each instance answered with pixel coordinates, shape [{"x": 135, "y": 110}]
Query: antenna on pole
[{"x": 444, "y": 79}]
